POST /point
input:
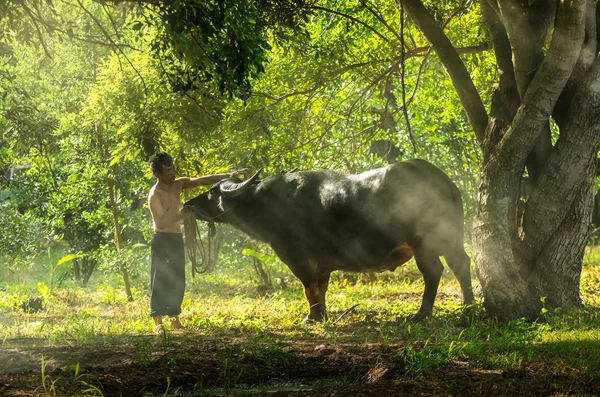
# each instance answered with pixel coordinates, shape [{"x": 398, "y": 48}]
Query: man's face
[{"x": 167, "y": 174}]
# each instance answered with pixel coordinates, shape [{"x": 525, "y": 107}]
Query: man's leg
[
  {"x": 178, "y": 282},
  {"x": 168, "y": 279},
  {"x": 158, "y": 281}
]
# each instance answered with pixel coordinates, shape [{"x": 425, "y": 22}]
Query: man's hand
[{"x": 243, "y": 171}]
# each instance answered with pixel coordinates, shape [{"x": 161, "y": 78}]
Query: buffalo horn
[{"x": 231, "y": 189}]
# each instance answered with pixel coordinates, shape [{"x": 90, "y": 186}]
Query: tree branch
[
  {"x": 597, "y": 14},
  {"x": 505, "y": 99},
  {"x": 366, "y": 25},
  {"x": 381, "y": 19},
  {"x": 586, "y": 59},
  {"x": 547, "y": 85},
  {"x": 526, "y": 41},
  {"x": 37, "y": 28},
  {"x": 503, "y": 53},
  {"x": 541, "y": 15},
  {"x": 119, "y": 49},
  {"x": 526, "y": 53},
  {"x": 112, "y": 21},
  {"x": 402, "y": 80},
  {"x": 38, "y": 19},
  {"x": 459, "y": 75}
]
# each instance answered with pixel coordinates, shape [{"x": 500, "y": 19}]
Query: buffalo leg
[
  {"x": 306, "y": 272},
  {"x": 312, "y": 293},
  {"x": 459, "y": 262},
  {"x": 431, "y": 267},
  {"x": 315, "y": 295},
  {"x": 323, "y": 285}
]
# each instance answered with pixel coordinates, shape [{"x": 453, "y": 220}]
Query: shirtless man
[{"x": 167, "y": 251}]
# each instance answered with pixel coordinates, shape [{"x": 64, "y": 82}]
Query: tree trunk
[
  {"x": 76, "y": 271},
  {"x": 556, "y": 275},
  {"x": 506, "y": 295},
  {"x": 87, "y": 268},
  {"x": 537, "y": 260},
  {"x": 264, "y": 278},
  {"x": 511, "y": 289},
  {"x": 533, "y": 257},
  {"x": 118, "y": 240},
  {"x": 119, "y": 237}
]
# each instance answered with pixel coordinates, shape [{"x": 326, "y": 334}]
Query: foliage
[
  {"x": 22, "y": 240},
  {"x": 132, "y": 258},
  {"x": 96, "y": 111},
  {"x": 320, "y": 104},
  {"x": 198, "y": 42},
  {"x": 215, "y": 40}
]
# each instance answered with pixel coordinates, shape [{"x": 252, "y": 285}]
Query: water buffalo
[{"x": 321, "y": 221}]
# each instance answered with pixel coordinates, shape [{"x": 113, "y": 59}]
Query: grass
[{"x": 267, "y": 327}]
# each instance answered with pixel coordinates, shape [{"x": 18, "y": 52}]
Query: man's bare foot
[
  {"x": 159, "y": 327},
  {"x": 176, "y": 324}
]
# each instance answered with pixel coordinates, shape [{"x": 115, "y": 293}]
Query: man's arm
[{"x": 187, "y": 183}]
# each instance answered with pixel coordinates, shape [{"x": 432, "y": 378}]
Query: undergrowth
[{"x": 267, "y": 325}]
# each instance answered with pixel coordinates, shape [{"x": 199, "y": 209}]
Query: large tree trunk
[
  {"x": 505, "y": 292},
  {"x": 556, "y": 275},
  {"x": 521, "y": 264},
  {"x": 531, "y": 255}
]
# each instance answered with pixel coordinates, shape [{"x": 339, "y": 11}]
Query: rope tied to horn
[
  {"x": 195, "y": 245},
  {"x": 193, "y": 239}
]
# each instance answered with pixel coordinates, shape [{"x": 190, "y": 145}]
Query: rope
[{"x": 194, "y": 243}]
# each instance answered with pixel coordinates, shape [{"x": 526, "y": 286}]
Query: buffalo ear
[{"x": 232, "y": 189}]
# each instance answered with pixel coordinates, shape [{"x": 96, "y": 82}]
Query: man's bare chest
[{"x": 169, "y": 199}]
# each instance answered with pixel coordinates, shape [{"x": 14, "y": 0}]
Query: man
[{"x": 167, "y": 251}]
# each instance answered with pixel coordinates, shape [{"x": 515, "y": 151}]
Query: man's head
[{"x": 161, "y": 164}]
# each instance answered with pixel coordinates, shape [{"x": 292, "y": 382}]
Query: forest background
[{"x": 83, "y": 108}]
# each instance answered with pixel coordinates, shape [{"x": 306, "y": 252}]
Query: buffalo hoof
[
  {"x": 314, "y": 319},
  {"x": 308, "y": 320},
  {"x": 419, "y": 316}
]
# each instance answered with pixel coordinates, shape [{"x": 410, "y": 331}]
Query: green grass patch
[{"x": 262, "y": 330}]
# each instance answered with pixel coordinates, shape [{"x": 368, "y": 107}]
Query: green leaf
[{"x": 68, "y": 258}]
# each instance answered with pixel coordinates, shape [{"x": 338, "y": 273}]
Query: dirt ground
[{"x": 191, "y": 364}]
